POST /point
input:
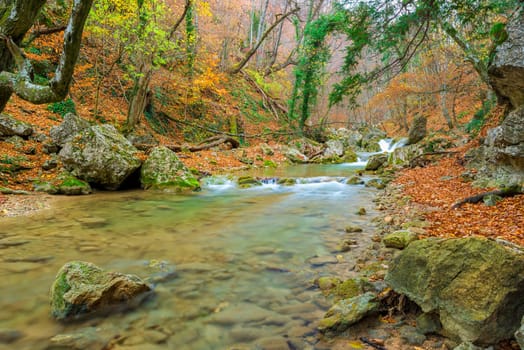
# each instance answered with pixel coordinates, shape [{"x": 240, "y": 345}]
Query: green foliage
[
  {"x": 62, "y": 107},
  {"x": 498, "y": 33},
  {"x": 191, "y": 36},
  {"x": 34, "y": 50},
  {"x": 476, "y": 123}
]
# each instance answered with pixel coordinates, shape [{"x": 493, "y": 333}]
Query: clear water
[{"x": 242, "y": 256}]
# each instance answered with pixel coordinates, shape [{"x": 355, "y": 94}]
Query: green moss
[
  {"x": 286, "y": 181},
  {"x": 248, "y": 181},
  {"x": 269, "y": 163},
  {"x": 59, "y": 288}
]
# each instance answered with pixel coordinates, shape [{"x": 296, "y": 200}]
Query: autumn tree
[{"x": 16, "y": 73}]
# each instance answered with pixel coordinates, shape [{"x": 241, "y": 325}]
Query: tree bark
[
  {"x": 139, "y": 99},
  {"x": 13, "y": 27}
]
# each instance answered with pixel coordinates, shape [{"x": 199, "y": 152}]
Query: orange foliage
[{"x": 438, "y": 187}]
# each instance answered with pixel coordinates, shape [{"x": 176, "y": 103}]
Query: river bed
[{"x": 238, "y": 263}]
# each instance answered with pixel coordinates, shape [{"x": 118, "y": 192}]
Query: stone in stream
[
  {"x": 8, "y": 336},
  {"x": 322, "y": 260},
  {"x": 82, "y": 288},
  {"x": 376, "y": 161},
  {"x": 474, "y": 285},
  {"x": 348, "y": 312}
]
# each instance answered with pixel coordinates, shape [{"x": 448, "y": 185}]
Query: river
[{"x": 243, "y": 262}]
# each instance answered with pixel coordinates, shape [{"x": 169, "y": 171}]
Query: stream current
[{"x": 233, "y": 268}]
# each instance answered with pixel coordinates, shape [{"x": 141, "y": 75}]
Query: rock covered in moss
[
  {"x": 81, "y": 288},
  {"x": 399, "y": 239},
  {"x": 248, "y": 181},
  {"x": 10, "y": 126},
  {"x": 100, "y": 155},
  {"x": 376, "y": 183},
  {"x": 474, "y": 285},
  {"x": 164, "y": 171},
  {"x": 376, "y": 161},
  {"x": 64, "y": 184},
  {"x": 355, "y": 180},
  {"x": 348, "y": 312}
]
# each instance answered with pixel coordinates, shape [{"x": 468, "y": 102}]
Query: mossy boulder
[
  {"x": 376, "y": 161},
  {"x": 162, "y": 170},
  {"x": 376, "y": 183},
  {"x": 286, "y": 181},
  {"x": 82, "y": 288},
  {"x": 248, "y": 181},
  {"x": 348, "y": 312},
  {"x": 399, "y": 239},
  {"x": 475, "y": 285},
  {"x": 403, "y": 155},
  {"x": 101, "y": 156},
  {"x": 355, "y": 180}
]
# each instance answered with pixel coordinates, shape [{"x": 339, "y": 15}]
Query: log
[
  {"x": 505, "y": 192},
  {"x": 206, "y": 144}
]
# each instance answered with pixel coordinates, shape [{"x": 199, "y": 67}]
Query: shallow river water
[{"x": 244, "y": 260}]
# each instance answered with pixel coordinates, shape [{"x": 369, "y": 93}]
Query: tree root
[{"x": 505, "y": 192}]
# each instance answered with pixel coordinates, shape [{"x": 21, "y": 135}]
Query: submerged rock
[
  {"x": 64, "y": 184},
  {"x": 101, "y": 156},
  {"x": 164, "y": 171},
  {"x": 248, "y": 181},
  {"x": 474, "y": 285},
  {"x": 82, "y": 288},
  {"x": 348, "y": 312}
]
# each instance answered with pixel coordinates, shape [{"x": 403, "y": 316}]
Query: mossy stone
[{"x": 399, "y": 239}]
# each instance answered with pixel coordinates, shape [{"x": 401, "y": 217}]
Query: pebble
[
  {"x": 273, "y": 343},
  {"x": 241, "y": 313},
  {"x": 93, "y": 222}
]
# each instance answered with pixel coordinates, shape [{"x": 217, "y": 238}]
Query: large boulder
[
  {"x": 501, "y": 157},
  {"x": 10, "y": 126},
  {"x": 71, "y": 126},
  {"x": 475, "y": 285},
  {"x": 376, "y": 161},
  {"x": 101, "y": 156},
  {"x": 370, "y": 139},
  {"x": 82, "y": 288},
  {"x": 418, "y": 129},
  {"x": 334, "y": 148},
  {"x": 403, "y": 155},
  {"x": 506, "y": 72},
  {"x": 164, "y": 171}
]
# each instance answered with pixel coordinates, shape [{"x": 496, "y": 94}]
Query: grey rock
[
  {"x": 295, "y": 156},
  {"x": 10, "y": 126},
  {"x": 142, "y": 141},
  {"x": 506, "y": 72},
  {"x": 403, "y": 155},
  {"x": 468, "y": 346},
  {"x": 376, "y": 161},
  {"x": 266, "y": 149},
  {"x": 164, "y": 171},
  {"x": 334, "y": 148},
  {"x": 471, "y": 283},
  {"x": 70, "y": 127},
  {"x": 50, "y": 164},
  {"x": 411, "y": 335},
  {"x": 100, "y": 156}
]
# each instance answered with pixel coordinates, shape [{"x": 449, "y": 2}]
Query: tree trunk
[
  {"x": 138, "y": 100},
  {"x": 444, "y": 106},
  {"x": 16, "y": 17}
]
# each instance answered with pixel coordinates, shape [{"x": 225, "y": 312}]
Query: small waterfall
[{"x": 388, "y": 146}]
